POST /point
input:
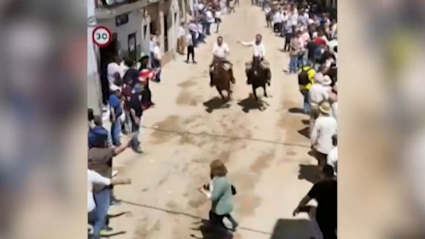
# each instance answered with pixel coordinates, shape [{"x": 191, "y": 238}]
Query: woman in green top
[{"x": 221, "y": 198}]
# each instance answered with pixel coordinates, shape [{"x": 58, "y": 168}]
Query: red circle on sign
[{"x": 98, "y": 29}]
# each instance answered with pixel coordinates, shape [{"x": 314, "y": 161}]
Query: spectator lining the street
[
  {"x": 325, "y": 126},
  {"x": 116, "y": 111},
  {"x": 97, "y": 130},
  {"x": 181, "y": 39},
  {"x": 305, "y": 81},
  {"x": 190, "y": 48},
  {"x": 136, "y": 112},
  {"x": 294, "y": 52},
  {"x": 217, "y": 16},
  {"x": 114, "y": 71},
  {"x": 95, "y": 179},
  {"x": 332, "y": 159},
  {"x": 325, "y": 193},
  {"x": 100, "y": 160},
  {"x": 157, "y": 57}
]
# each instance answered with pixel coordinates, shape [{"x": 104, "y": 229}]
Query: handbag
[{"x": 233, "y": 190}]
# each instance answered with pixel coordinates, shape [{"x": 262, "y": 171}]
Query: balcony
[{"x": 106, "y": 11}]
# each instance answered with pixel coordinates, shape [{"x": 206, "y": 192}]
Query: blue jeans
[
  {"x": 103, "y": 200},
  {"x": 293, "y": 64},
  {"x": 92, "y": 217},
  {"x": 135, "y": 143},
  {"x": 116, "y": 132},
  {"x": 306, "y": 101},
  {"x": 302, "y": 60}
]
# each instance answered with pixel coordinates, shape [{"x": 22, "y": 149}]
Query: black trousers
[
  {"x": 288, "y": 37},
  {"x": 327, "y": 227},
  {"x": 190, "y": 52}
]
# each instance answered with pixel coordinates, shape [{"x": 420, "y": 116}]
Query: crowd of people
[
  {"x": 310, "y": 33},
  {"x": 206, "y": 14}
]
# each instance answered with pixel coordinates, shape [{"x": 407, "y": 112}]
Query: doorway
[
  {"x": 106, "y": 55},
  {"x": 166, "y": 33}
]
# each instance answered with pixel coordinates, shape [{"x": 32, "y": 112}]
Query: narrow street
[{"x": 187, "y": 129}]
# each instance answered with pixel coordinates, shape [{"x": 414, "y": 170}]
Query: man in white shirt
[
  {"x": 157, "y": 56},
  {"x": 217, "y": 16},
  {"x": 209, "y": 20},
  {"x": 332, "y": 159},
  {"x": 277, "y": 21},
  {"x": 114, "y": 71},
  {"x": 260, "y": 52},
  {"x": 92, "y": 179},
  {"x": 220, "y": 52},
  {"x": 190, "y": 48},
  {"x": 324, "y": 128}
]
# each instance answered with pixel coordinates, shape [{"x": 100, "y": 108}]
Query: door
[
  {"x": 106, "y": 55},
  {"x": 166, "y": 24}
]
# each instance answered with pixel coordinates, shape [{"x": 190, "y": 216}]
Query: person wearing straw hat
[
  {"x": 327, "y": 82},
  {"x": 318, "y": 93},
  {"x": 324, "y": 128}
]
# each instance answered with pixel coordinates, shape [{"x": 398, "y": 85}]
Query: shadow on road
[
  {"x": 296, "y": 110},
  {"x": 199, "y": 219},
  {"x": 305, "y": 132},
  {"x": 207, "y": 233},
  {"x": 215, "y": 104},
  {"x": 250, "y": 103},
  {"x": 309, "y": 173},
  {"x": 291, "y": 229}
]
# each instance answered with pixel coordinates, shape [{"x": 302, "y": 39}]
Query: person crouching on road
[{"x": 221, "y": 192}]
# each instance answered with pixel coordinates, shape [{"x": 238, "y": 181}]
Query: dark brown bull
[
  {"x": 221, "y": 78},
  {"x": 258, "y": 76}
]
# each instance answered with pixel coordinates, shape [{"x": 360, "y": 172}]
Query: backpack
[{"x": 303, "y": 76}]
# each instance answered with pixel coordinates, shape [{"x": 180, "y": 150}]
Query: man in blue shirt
[{"x": 115, "y": 105}]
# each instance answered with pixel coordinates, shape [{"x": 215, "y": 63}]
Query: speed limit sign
[{"x": 102, "y": 36}]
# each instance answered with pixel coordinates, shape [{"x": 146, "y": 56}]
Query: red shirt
[
  {"x": 320, "y": 41},
  {"x": 145, "y": 75}
]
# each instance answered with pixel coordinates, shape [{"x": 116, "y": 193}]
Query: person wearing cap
[
  {"x": 325, "y": 126},
  {"x": 116, "y": 111},
  {"x": 327, "y": 82},
  {"x": 100, "y": 160},
  {"x": 96, "y": 131},
  {"x": 136, "y": 112}
]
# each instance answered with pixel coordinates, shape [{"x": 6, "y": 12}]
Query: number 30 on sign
[{"x": 102, "y": 36}]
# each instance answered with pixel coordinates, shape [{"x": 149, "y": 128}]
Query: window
[{"x": 121, "y": 19}]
